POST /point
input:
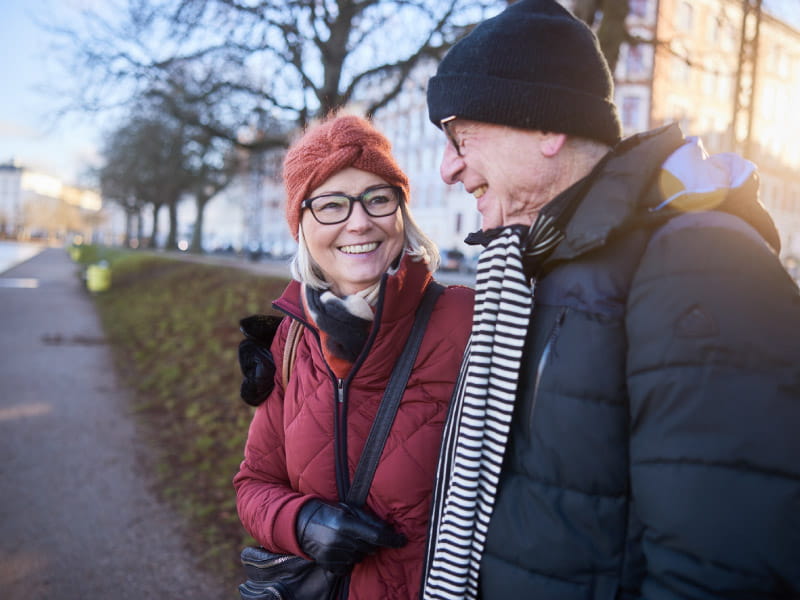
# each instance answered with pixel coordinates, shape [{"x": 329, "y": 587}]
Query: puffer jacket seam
[
  {"x": 567, "y": 488},
  {"x": 597, "y": 400},
  {"x": 742, "y": 467},
  {"x": 549, "y": 575}
]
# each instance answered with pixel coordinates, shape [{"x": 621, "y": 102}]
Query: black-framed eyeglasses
[
  {"x": 447, "y": 127},
  {"x": 377, "y": 201}
]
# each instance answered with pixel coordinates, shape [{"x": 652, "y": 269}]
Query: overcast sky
[{"x": 26, "y": 133}]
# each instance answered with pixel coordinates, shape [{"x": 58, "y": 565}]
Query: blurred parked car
[
  {"x": 452, "y": 260},
  {"x": 470, "y": 263}
]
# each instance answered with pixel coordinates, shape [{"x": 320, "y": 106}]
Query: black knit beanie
[{"x": 533, "y": 66}]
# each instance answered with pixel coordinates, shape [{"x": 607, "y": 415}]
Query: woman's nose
[{"x": 358, "y": 219}]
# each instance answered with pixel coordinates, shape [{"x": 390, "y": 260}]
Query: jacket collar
[{"x": 610, "y": 197}]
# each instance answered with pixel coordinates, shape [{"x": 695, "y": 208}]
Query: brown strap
[{"x": 290, "y": 349}]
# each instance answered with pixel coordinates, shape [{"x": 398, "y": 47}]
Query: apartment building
[
  {"x": 35, "y": 205},
  {"x": 688, "y": 69}
]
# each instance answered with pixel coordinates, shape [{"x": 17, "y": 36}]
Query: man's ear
[{"x": 550, "y": 143}]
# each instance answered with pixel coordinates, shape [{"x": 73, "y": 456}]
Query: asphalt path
[{"x": 78, "y": 519}]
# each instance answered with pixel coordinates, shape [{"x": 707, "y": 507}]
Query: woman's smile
[{"x": 359, "y": 248}]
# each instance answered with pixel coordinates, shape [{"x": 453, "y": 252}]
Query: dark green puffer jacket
[{"x": 655, "y": 448}]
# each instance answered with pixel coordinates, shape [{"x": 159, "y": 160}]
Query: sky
[
  {"x": 28, "y": 134},
  {"x": 66, "y": 148}
]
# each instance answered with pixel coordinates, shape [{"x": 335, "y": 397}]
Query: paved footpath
[{"x": 77, "y": 519}]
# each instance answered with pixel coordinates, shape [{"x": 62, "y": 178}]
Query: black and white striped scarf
[{"x": 477, "y": 427}]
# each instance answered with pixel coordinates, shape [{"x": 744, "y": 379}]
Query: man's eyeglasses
[
  {"x": 447, "y": 127},
  {"x": 378, "y": 201}
]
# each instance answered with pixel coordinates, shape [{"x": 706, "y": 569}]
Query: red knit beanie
[{"x": 327, "y": 148}]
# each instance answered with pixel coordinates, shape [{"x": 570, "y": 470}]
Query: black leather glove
[
  {"x": 338, "y": 536},
  {"x": 255, "y": 358}
]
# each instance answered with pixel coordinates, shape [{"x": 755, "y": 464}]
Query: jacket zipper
[
  {"x": 545, "y": 355},
  {"x": 340, "y": 466},
  {"x": 341, "y": 469},
  {"x": 340, "y": 439}
]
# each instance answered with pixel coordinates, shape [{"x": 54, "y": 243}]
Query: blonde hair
[{"x": 417, "y": 245}]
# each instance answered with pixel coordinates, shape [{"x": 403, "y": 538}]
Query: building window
[
  {"x": 631, "y": 112},
  {"x": 709, "y": 79},
  {"x": 724, "y": 86},
  {"x": 730, "y": 39},
  {"x": 781, "y": 62},
  {"x": 634, "y": 65},
  {"x": 685, "y": 17},
  {"x": 768, "y": 99},
  {"x": 680, "y": 70},
  {"x": 713, "y": 30},
  {"x": 638, "y": 8}
]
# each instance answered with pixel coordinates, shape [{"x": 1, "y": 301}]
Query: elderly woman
[{"x": 360, "y": 272}]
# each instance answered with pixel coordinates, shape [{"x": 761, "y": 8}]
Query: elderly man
[{"x": 627, "y": 419}]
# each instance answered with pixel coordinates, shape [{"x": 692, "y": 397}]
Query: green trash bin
[{"x": 98, "y": 277}]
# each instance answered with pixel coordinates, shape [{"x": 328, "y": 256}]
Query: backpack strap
[{"x": 290, "y": 349}]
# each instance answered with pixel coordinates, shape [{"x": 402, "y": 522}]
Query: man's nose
[{"x": 451, "y": 165}]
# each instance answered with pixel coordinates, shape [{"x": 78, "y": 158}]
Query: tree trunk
[
  {"x": 612, "y": 31},
  {"x": 172, "y": 237},
  {"x": 585, "y": 10},
  {"x": 197, "y": 235},
  {"x": 152, "y": 241},
  {"x": 139, "y": 227},
  {"x": 129, "y": 216}
]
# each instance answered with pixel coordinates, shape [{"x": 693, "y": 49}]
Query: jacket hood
[
  {"x": 692, "y": 180},
  {"x": 653, "y": 176}
]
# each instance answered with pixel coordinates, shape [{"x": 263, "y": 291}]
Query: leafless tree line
[{"x": 195, "y": 86}]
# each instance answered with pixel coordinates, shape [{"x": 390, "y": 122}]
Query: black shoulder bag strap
[{"x": 373, "y": 448}]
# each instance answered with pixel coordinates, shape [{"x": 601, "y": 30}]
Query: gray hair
[{"x": 417, "y": 245}]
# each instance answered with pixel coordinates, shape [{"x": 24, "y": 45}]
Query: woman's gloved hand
[
  {"x": 338, "y": 536},
  {"x": 255, "y": 358}
]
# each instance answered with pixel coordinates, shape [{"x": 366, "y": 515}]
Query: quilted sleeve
[
  {"x": 266, "y": 503},
  {"x": 714, "y": 380}
]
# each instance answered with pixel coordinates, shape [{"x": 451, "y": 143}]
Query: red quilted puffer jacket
[{"x": 289, "y": 454}]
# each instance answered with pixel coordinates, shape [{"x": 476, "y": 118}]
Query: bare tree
[
  {"x": 292, "y": 59},
  {"x": 145, "y": 166},
  {"x": 162, "y": 154},
  {"x": 116, "y": 187},
  {"x": 211, "y": 166}
]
